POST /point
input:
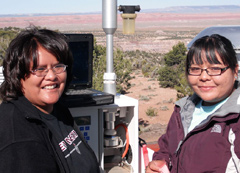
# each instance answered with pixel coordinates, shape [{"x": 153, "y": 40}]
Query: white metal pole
[{"x": 109, "y": 25}]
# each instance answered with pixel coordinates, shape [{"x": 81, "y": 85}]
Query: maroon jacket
[{"x": 212, "y": 146}]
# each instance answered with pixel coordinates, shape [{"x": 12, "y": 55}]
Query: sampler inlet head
[{"x": 129, "y": 17}]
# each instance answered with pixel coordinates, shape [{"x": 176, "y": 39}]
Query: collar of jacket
[
  {"x": 187, "y": 104},
  {"x": 187, "y": 107},
  {"x": 30, "y": 111}
]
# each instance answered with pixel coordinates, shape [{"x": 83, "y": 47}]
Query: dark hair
[
  {"x": 23, "y": 50},
  {"x": 208, "y": 47}
]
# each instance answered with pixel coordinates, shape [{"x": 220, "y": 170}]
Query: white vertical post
[{"x": 109, "y": 25}]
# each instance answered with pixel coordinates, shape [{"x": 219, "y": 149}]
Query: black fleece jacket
[{"x": 25, "y": 141}]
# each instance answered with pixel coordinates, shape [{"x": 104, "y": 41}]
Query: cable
[{"x": 127, "y": 138}]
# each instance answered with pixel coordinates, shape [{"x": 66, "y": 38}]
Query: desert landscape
[
  {"x": 155, "y": 32},
  {"x": 150, "y": 95}
]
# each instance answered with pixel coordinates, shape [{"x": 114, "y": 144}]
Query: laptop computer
[{"x": 79, "y": 92}]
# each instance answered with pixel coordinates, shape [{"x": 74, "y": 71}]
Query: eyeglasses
[
  {"x": 212, "y": 71},
  {"x": 42, "y": 71}
]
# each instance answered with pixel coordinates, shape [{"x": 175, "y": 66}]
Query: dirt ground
[{"x": 150, "y": 95}]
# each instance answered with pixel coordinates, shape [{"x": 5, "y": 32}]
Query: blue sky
[{"x": 82, "y": 6}]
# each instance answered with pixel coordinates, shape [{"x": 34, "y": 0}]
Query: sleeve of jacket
[
  {"x": 234, "y": 139},
  {"x": 169, "y": 141}
]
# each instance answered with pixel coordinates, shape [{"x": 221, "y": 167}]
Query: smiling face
[
  {"x": 44, "y": 92},
  {"x": 212, "y": 89}
]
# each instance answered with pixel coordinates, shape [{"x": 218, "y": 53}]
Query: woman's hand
[{"x": 157, "y": 166}]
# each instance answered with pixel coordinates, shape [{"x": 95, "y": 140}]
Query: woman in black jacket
[{"x": 37, "y": 133}]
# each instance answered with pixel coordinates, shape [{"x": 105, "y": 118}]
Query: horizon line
[{"x": 99, "y": 12}]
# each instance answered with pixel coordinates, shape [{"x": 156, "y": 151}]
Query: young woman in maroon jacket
[{"x": 203, "y": 134}]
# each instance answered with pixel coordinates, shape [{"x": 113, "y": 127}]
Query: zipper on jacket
[
  {"x": 61, "y": 166},
  {"x": 178, "y": 147}
]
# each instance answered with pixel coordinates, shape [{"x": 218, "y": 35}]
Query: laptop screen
[{"x": 81, "y": 46}]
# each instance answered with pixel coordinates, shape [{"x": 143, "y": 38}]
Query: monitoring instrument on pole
[{"x": 129, "y": 17}]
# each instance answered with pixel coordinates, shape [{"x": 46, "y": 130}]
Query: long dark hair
[
  {"x": 208, "y": 47},
  {"x": 23, "y": 50}
]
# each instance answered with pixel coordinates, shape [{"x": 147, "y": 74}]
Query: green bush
[
  {"x": 148, "y": 62},
  {"x": 6, "y": 35},
  {"x": 167, "y": 77},
  {"x": 176, "y": 56},
  {"x": 173, "y": 73},
  {"x": 183, "y": 88},
  {"x": 151, "y": 112},
  {"x": 144, "y": 98}
]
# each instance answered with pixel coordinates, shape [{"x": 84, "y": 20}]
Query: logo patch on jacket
[
  {"x": 72, "y": 136},
  {"x": 216, "y": 129}
]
